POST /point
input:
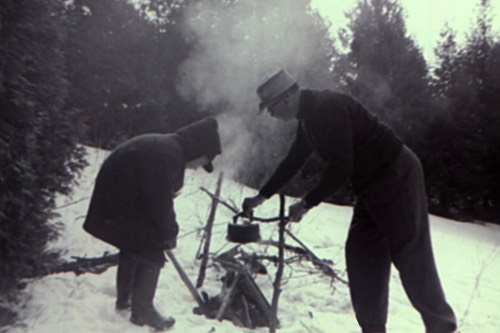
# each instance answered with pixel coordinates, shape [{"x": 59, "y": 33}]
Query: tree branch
[
  {"x": 95, "y": 265},
  {"x": 208, "y": 234},
  {"x": 279, "y": 272}
]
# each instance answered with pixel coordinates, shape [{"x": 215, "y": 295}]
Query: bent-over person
[{"x": 132, "y": 208}]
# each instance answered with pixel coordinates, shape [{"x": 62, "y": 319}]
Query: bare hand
[{"x": 251, "y": 202}]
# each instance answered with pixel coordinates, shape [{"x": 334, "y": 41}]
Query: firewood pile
[{"x": 240, "y": 299}]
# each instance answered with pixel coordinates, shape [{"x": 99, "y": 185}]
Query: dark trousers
[
  {"x": 136, "y": 281},
  {"x": 390, "y": 225}
]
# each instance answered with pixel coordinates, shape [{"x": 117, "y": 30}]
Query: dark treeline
[
  {"x": 38, "y": 132},
  {"x": 123, "y": 71},
  {"x": 97, "y": 72},
  {"x": 450, "y": 114}
]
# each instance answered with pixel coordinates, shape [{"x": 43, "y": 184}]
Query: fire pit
[{"x": 240, "y": 299}]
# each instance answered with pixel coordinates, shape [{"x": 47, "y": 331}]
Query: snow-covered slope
[{"x": 467, "y": 257}]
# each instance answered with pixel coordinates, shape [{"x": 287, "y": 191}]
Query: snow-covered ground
[{"x": 467, "y": 256}]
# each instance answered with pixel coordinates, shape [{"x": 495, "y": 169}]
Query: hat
[
  {"x": 201, "y": 139},
  {"x": 274, "y": 87}
]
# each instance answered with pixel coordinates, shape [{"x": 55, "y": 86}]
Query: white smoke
[{"x": 238, "y": 44}]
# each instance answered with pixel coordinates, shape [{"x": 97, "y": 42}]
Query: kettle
[{"x": 245, "y": 232}]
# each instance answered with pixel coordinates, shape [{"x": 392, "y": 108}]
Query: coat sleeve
[
  {"x": 333, "y": 133},
  {"x": 157, "y": 197},
  {"x": 297, "y": 155}
]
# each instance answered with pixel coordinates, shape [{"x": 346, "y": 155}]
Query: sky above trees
[{"x": 425, "y": 18}]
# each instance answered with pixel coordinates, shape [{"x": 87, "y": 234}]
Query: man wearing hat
[
  {"x": 132, "y": 208},
  {"x": 390, "y": 220}
]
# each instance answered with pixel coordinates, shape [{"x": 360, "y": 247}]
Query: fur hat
[
  {"x": 200, "y": 139},
  {"x": 274, "y": 87}
]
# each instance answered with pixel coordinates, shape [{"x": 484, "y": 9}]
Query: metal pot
[{"x": 246, "y": 232}]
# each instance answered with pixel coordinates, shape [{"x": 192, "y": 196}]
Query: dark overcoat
[
  {"x": 132, "y": 206},
  {"x": 352, "y": 141}
]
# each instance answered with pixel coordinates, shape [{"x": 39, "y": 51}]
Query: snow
[{"x": 466, "y": 254}]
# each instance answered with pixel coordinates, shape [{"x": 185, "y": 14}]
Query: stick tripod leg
[
  {"x": 281, "y": 258},
  {"x": 228, "y": 298},
  {"x": 186, "y": 281}
]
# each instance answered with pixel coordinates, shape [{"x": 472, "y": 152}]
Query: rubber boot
[
  {"x": 124, "y": 280},
  {"x": 143, "y": 292}
]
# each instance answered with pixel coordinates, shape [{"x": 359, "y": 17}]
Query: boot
[
  {"x": 153, "y": 319},
  {"x": 143, "y": 292},
  {"x": 124, "y": 280}
]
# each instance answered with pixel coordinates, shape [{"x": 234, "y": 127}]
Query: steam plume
[{"x": 237, "y": 45}]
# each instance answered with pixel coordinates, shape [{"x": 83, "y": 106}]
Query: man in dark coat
[
  {"x": 390, "y": 221},
  {"x": 132, "y": 208}
]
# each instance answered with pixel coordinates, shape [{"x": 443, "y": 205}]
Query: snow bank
[{"x": 466, "y": 254}]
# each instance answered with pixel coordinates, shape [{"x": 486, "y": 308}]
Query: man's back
[{"x": 353, "y": 131}]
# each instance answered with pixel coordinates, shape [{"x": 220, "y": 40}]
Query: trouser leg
[
  {"x": 124, "y": 279},
  {"x": 368, "y": 268},
  {"x": 143, "y": 293},
  {"x": 144, "y": 288},
  {"x": 405, "y": 220}
]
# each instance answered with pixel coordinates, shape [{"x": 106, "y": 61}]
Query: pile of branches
[
  {"x": 79, "y": 265},
  {"x": 240, "y": 299}
]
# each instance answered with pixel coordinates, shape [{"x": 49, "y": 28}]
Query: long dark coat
[
  {"x": 132, "y": 206},
  {"x": 353, "y": 142}
]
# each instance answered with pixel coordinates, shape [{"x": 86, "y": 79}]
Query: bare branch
[
  {"x": 281, "y": 256},
  {"x": 80, "y": 266},
  {"x": 208, "y": 234}
]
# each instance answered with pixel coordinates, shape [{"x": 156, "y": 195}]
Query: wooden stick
[
  {"x": 187, "y": 282},
  {"x": 248, "y": 318},
  {"x": 79, "y": 266},
  {"x": 208, "y": 234},
  {"x": 222, "y": 202},
  {"x": 228, "y": 297},
  {"x": 251, "y": 289},
  {"x": 317, "y": 261},
  {"x": 281, "y": 256}
]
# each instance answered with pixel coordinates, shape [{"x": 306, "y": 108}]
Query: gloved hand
[
  {"x": 297, "y": 210},
  {"x": 251, "y": 202}
]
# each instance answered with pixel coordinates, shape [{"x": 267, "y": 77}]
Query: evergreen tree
[
  {"x": 443, "y": 74},
  {"x": 384, "y": 68},
  {"x": 124, "y": 70},
  {"x": 38, "y": 153},
  {"x": 467, "y": 82}
]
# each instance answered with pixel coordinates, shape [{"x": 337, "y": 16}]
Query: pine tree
[
  {"x": 384, "y": 68},
  {"x": 38, "y": 153},
  {"x": 124, "y": 70},
  {"x": 467, "y": 82}
]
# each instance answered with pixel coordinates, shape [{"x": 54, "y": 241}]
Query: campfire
[{"x": 240, "y": 300}]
